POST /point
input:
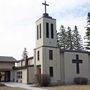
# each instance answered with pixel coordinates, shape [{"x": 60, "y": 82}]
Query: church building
[{"x": 61, "y": 65}]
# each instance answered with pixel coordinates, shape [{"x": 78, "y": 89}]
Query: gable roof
[{"x": 7, "y": 59}]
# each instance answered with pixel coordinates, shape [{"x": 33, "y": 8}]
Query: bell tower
[
  {"x": 46, "y": 30},
  {"x": 46, "y": 53}
]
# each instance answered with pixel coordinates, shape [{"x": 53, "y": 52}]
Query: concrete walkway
[{"x": 21, "y": 85}]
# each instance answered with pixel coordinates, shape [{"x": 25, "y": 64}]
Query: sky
[{"x": 18, "y": 17}]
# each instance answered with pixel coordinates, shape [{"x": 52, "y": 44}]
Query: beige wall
[
  {"x": 11, "y": 75},
  {"x": 27, "y": 75},
  {"x": 43, "y": 40},
  {"x": 55, "y": 63},
  {"x": 39, "y": 42},
  {"x": 46, "y": 63},
  {"x": 36, "y": 61},
  {"x": 62, "y": 68},
  {"x": 70, "y": 68},
  {"x": 24, "y": 76},
  {"x": 39, "y": 62},
  {"x": 51, "y": 44},
  {"x": 30, "y": 62},
  {"x": 31, "y": 75},
  {"x": 18, "y": 64}
]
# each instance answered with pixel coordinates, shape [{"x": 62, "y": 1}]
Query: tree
[
  {"x": 61, "y": 38},
  {"x": 42, "y": 80},
  {"x": 87, "y": 37},
  {"x": 69, "y": 39},
  {"x": 77, "y": 45}
]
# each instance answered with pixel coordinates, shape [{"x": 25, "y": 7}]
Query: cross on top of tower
[{"x": 45, "y": 6}]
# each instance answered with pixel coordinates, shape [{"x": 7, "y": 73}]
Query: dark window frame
[
  {"x": 52, "y": 31},
  {"x": 50, "y": 54},
  {"x": 19, "y": 74},
  {"x": 47, "y": 30},
  {"x": 38, "y": 55},
  {"x": 37, "y": 32},
  {"x": 40, "y": 30},
  {"x": 51, "y": 71}
]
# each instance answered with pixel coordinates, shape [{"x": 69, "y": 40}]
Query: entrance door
[
  {"x": 4, "y": 76},
  {"x": 7, "y": 76},
  {"x": 39, "y": 70}
]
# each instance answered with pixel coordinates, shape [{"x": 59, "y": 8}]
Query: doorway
[
  {"x": 4, "y": 76},
  {"x": 39, "y": 70}
]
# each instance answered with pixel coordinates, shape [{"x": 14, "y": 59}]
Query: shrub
[
  {"x": 37, "y": 79},
  {"x": 81, "y": 80},
  {"x": 42, "y": 80}
]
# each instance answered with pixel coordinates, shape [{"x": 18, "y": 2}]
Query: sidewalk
[{"x": 21, "y": 85}]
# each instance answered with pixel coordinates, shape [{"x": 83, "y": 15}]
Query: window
[
  {"x": 51, "y": 71},
  {"x": 38, "y": 56},
  {"x": 52, "y": 34},
  {"x": 19, "y": 74},
  {"x": 37, "y": 33},
  {"x": 40, "y": 30},
  {"x": 47, "y": 30},
  {"x": 51, "y": 54}
]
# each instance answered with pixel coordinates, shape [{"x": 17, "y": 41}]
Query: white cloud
[{"x": 17, "y": 22}]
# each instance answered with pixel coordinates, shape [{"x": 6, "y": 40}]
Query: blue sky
[{"x": 17, "y": 21}]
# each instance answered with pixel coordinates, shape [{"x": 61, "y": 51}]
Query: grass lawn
[
  {"x": 10, "y": 88},
  {"x": 70, "y": 87}
]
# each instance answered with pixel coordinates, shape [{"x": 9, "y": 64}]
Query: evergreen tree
[
  {"x": 88, "y": 32},
  {"x": 77, "y": 45},
  {"x": 69, "y": 39},
  {"x": 61, "y": 38}
]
